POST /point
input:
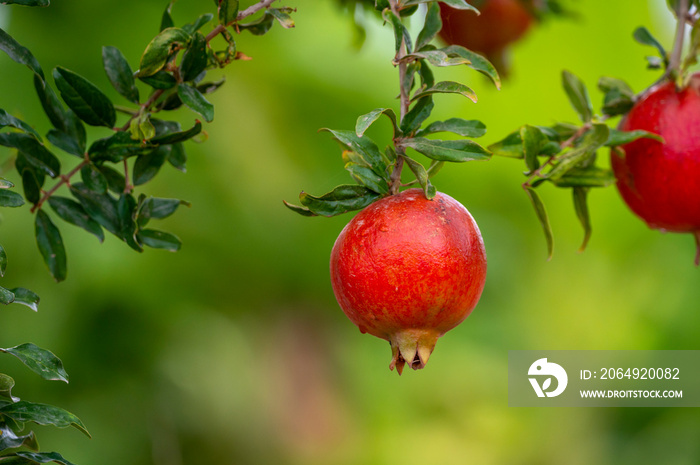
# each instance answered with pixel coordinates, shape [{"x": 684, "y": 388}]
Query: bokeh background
[{"x": 234, "y": 351}]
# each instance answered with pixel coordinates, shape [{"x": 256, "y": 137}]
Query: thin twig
[
  {"x": 65, "y": 179},
  {"x": 395, "y": 179},
  {"x": 251, "y": 10},
  {"x": 674, "y": 62}
]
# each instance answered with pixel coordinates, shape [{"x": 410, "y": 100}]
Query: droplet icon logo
[{"x": 541, "y": 369}]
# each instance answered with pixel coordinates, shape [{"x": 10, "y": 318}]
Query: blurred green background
[{"x": 234, "y": 351}]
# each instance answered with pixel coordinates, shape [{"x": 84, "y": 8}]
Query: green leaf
[
  {"x": 417, "y": 114},
  {"x": 178, "y": 157},
  {"x": 447, "y": 87},
  {"x": 179, "y": 136},
  {"x": 303, "y": 211},
  {"x": 625, "y": 137},
  {"x": 115, "y": 180},
  {"x": 435, "y": 57},
  {"x": 448, "y": 150},
  {"x": 282, "y": 16},
  {"x": 3, "y": 261},
  {"x": 166, "y": 20},
  {"x": 158, "y": 208},
  {"x": 644, "y": 37},
  {"x": 93, "y": 178},
  {"x": 365, "y": 176},
  {"x": 431, "y": 27},
  {"x": 475, "y": 62},
  {"x": 458, "y": 4},
  {"x": 543, "y": 218},
  {"x": 117, "y": 147},
  {"x": 5, "y": 184},
  {"x": 260, "y": 26},
  {"x": 6, "y": 385},
  {"x": 195, "y": 101},
  {"x": 43, "y": 457},
  {"x": 228, "y": 11},
  {"x": 158, "y": 51},
  {"x": 148, "y": 165},
  {"x": 619, "y": 98},
  {"x": 195, "y": 58},
  {"x": 159, "y": 240},
  {"x": 26, "y": 297},
  {"x": 581, "y": 206},
  {"x": 32, "y": 180},
  {"x": 33, "y": 150},
  {"x": 48, "y": 238},
  {"x": 578, "y": 96},
  {"x": 101, "y": 207},
  {"x": 591, "y": 141},
  {"x": 74, "y": 213},
  {"x": 532, "y": 139},
  {"x": 126, "y": 209},
  {"x": 42, "y": 414},
  {"x": 19, "y": 53},
  {"x": 160, "y": 80},
  {"x": 421, "y": 175},
  {"x": 7, "y": 119},
  {"x": 589, "y": 176},
  {"x": 84, "y": 98},
  {"x": 119, "y": 73},
  {"x": 340, "y": 200},
  {"x": 364, "y": 146},
  {"x": 6, "y": 296},
  {"x": 62, "y": 119},
  {"x": 365, "y": 121},
  {"x": 401, "y": 34},
  {"x": 197, "y": 25},
  {"x": 462, "y": 127},
  {"x": 28, "y": 2},
  {"x": 10, "y": 199},
  {"x": 40, "y": 361},
  {"x": 65, "y": 142},
  {"x": 8, "y": 438}
]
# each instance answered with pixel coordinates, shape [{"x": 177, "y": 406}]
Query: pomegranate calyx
[{"x": 412, "y": 345}]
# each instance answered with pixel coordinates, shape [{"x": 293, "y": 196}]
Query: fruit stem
[
  {"x": 697, "y": 247},
  {"x": 674, "y": 63}
]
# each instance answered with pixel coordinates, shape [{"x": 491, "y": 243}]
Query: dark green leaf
[
  {"x": 40, "y": 361},
  {"x": 417, "y": 114},
  {"x": 644, "y": 37},
  {"x": 148, "y": 165},
  {"x": 195, "y": 101},
  {"x": 26, "y": 297},
  {"x": 6, "y": 296},
  {"x": 458, "y": 4},
  {"x": 340, "y": 200},
  {"x": 448, "y": 150},
  {"x": 159, "y": 240},
  {"x": 367, "y": 177},
  {"x": 117, "y": 147},
  {"x": 625, "y": 137},
  {"x": 62, "y": 119},
  {"x": 3, "y": 261},
  {"x": 532, "y": 139},
  {"x": 619, "y": 98},
  {"x": 259, "y": 26},
  {"x": 43, "y": 414},
  {"x": 303, "y": 211},
  {"x": 160, "y": 80},
  {"x": 475, "y": 62},
  {"x": 7, "y": 119},
  {"x": 28, "y": 2},
  {"x": 166, "y": 20},
  {"x": 65, "y": 142},
  {"x": 84, "y": 98},
  {"x": 432, "y": 26},
  {"x": 101, "y": 207},
  {"x": 591, "y": 141},
  {"x": 31, "y": 185},
  {"x": 199, "y": 22},
  {"x": 42, "y": 457},
  {"x": 126, "y": 209},
  {"x": 435, "y": 57},
  {"x": 282, "y": 16},
  {"x": 447, "y": 87},
  {"x": 544, "y": 219},
  {"x": 72, "y": 212},
  {"x": 160, "y": 48},
  {"x": 209, "y": 87},
  {"x": 364, "y": 146},
  {"x": 365, "y": 121},
  {"x": 178, "y": 157},
  {"x": 6, "y": 385},
  {"x": 421, "y": 176},
  {"x": 581, "y": 206},
  {"x": 33, "y": 150},
  {"x": 179, "y": 136},
  {"x": 462, "y": 127},
  {"x": 115, "y": 180},
  {"x": 93, "y": 178},
  {"x": 8, "y": 438},
  {"x": 157, "y": 208},
  {"x": 401, "y": 34},
  {"x": 195, "y": 58},
  {"x": 590, "y": 176},
  {"x": 10, "y": 199},
  {"x": 228, "y": 11},
  {"x": 19, "y": 53},
  {"x": 119, "y": 73},
  {"x": 48, "y": 238},
  {"x": 578, "y": 95}
]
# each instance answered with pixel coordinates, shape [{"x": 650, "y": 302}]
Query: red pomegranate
[
  {"x": 660, "y": 182},
  {"x": 408, "y": 269},
  {"x": 500, "y": 23}
]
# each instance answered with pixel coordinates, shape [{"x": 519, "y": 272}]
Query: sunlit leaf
[{"x": 40, "y": 361}]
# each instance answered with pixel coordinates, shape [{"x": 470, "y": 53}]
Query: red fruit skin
[
  {"x": 408, "y": 269},
  {"x": 500, "y": 23},
  {"x": 660, "y": 182}
]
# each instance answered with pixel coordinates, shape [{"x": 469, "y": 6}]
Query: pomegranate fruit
[
  {"x": 660, "y": 182},
  {"x": 408, "y": 269},
  {"x": 500, "y": 23}
]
